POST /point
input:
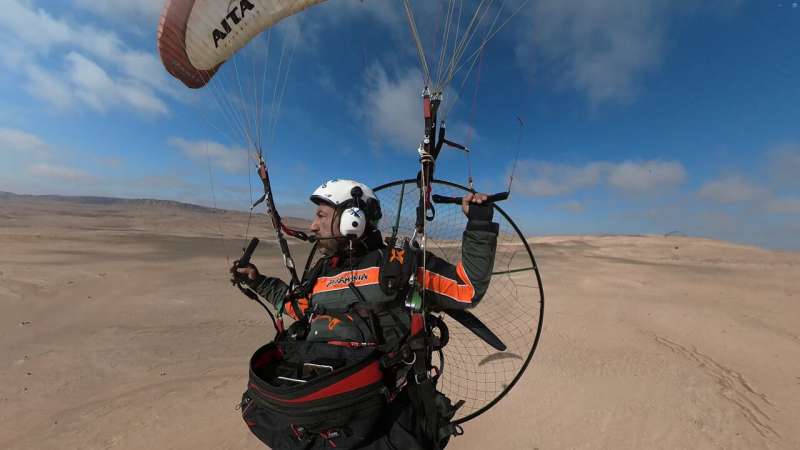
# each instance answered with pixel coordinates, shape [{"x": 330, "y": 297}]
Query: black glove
[
  {"x": 481, "y": 212},
  {"x": 480, "y": 218}
]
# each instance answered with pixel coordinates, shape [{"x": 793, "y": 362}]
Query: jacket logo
[
  {"x": 346, "y": 279},
  {"x": 361, "y": 277},
  {"x": 397, "y": 254},
  {"x": 235, "y": 15}
]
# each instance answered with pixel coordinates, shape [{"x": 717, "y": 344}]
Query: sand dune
[{"x": 120, "y": 330}]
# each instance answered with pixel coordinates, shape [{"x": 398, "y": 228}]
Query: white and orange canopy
[{"x": 196, "y": 36}]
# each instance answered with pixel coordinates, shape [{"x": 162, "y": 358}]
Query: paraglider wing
[{"x": 195, "y": 37}]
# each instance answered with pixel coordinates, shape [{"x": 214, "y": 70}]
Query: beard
[{"x": 328, "y": 247}]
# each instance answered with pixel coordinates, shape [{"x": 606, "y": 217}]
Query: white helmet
[{"x": 357, "y": 202}]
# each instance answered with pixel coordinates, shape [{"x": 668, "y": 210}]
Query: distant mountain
[
  {"x": 97, "y": 200},
  {"x": 114, "y": 202}
]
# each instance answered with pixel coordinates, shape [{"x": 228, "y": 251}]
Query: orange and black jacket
[{"x": 333, "y": 306}]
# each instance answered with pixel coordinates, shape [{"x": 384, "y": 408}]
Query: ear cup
[
  {"x": 352, "y": 222},
  {"x": 374, "y": 208}
]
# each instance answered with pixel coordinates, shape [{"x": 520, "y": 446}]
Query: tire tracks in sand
[{"x": 734, "y": 387}]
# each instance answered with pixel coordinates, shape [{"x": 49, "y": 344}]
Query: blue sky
[{"x": 640, "y": 117}]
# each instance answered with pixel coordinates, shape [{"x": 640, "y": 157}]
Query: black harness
[{"x": 408, "y": 363}]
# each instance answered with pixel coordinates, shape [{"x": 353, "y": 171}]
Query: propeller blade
[{"x": 472, "y": 323}]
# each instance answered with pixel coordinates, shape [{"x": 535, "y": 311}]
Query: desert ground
[{"x": 119, "y": 329}]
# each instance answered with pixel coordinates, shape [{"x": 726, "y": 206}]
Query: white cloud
[
  {"x": 731, "y": 189},
  {"x": 229, "y": 159},
  {"x": 598, "y": 47},
  {"x": 148, "y": 10},
  {"x": 141, "y": 98},
  {"x": 574, "y": 207},
  {"x": 31, "y": 164},
  {"x": 324, "y": 79},
  {"x": 21, "y": 142},
  {"x": 544, "y": 179},
  {"x": 25, "y": 166},
  {"x": 33, "y": 26},
  {"x": 784, "y": 164},
  {"x": 430, "y": 19},
  {"x": 645, "y": 176},
  {"x": 783, "y": 205},
  {"x": 108, "y": 63},
  {"x": 56, "y": 172},
  {"x": 393, "y": 107},
  {"x": 48, "y": 87},
  {"x": 97, "y": 89},
  {"x": 92, "y": 81},
  {"x": 83, "y": 81},
  {"x": 603, "y": 48},
  {"x": 387, "y": 13}
]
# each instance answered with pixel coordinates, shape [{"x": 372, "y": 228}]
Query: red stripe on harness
[
  {"x": 417, "y": 324},
  {"x": 351, "y": 344},
  {"x": 368, "y": 375}
]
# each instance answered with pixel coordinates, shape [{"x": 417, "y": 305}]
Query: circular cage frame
[{"x": 534, "y": 267}]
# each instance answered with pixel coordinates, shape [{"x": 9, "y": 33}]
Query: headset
[{"x": 357, "y": 213}]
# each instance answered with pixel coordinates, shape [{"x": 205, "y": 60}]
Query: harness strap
[
  {"x": 410, "y": 359},
  {"x": 403, "y": 328},
  {"x": 361, "y": 323},
  {"x": 350, "y": 344}
]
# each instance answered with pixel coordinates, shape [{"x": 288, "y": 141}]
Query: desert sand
[{"x": 119, "y": 329}]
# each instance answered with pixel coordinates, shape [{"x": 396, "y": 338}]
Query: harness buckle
[
  {"x": 298, "y": 432},
  {"x": 431, "y": 374}
]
